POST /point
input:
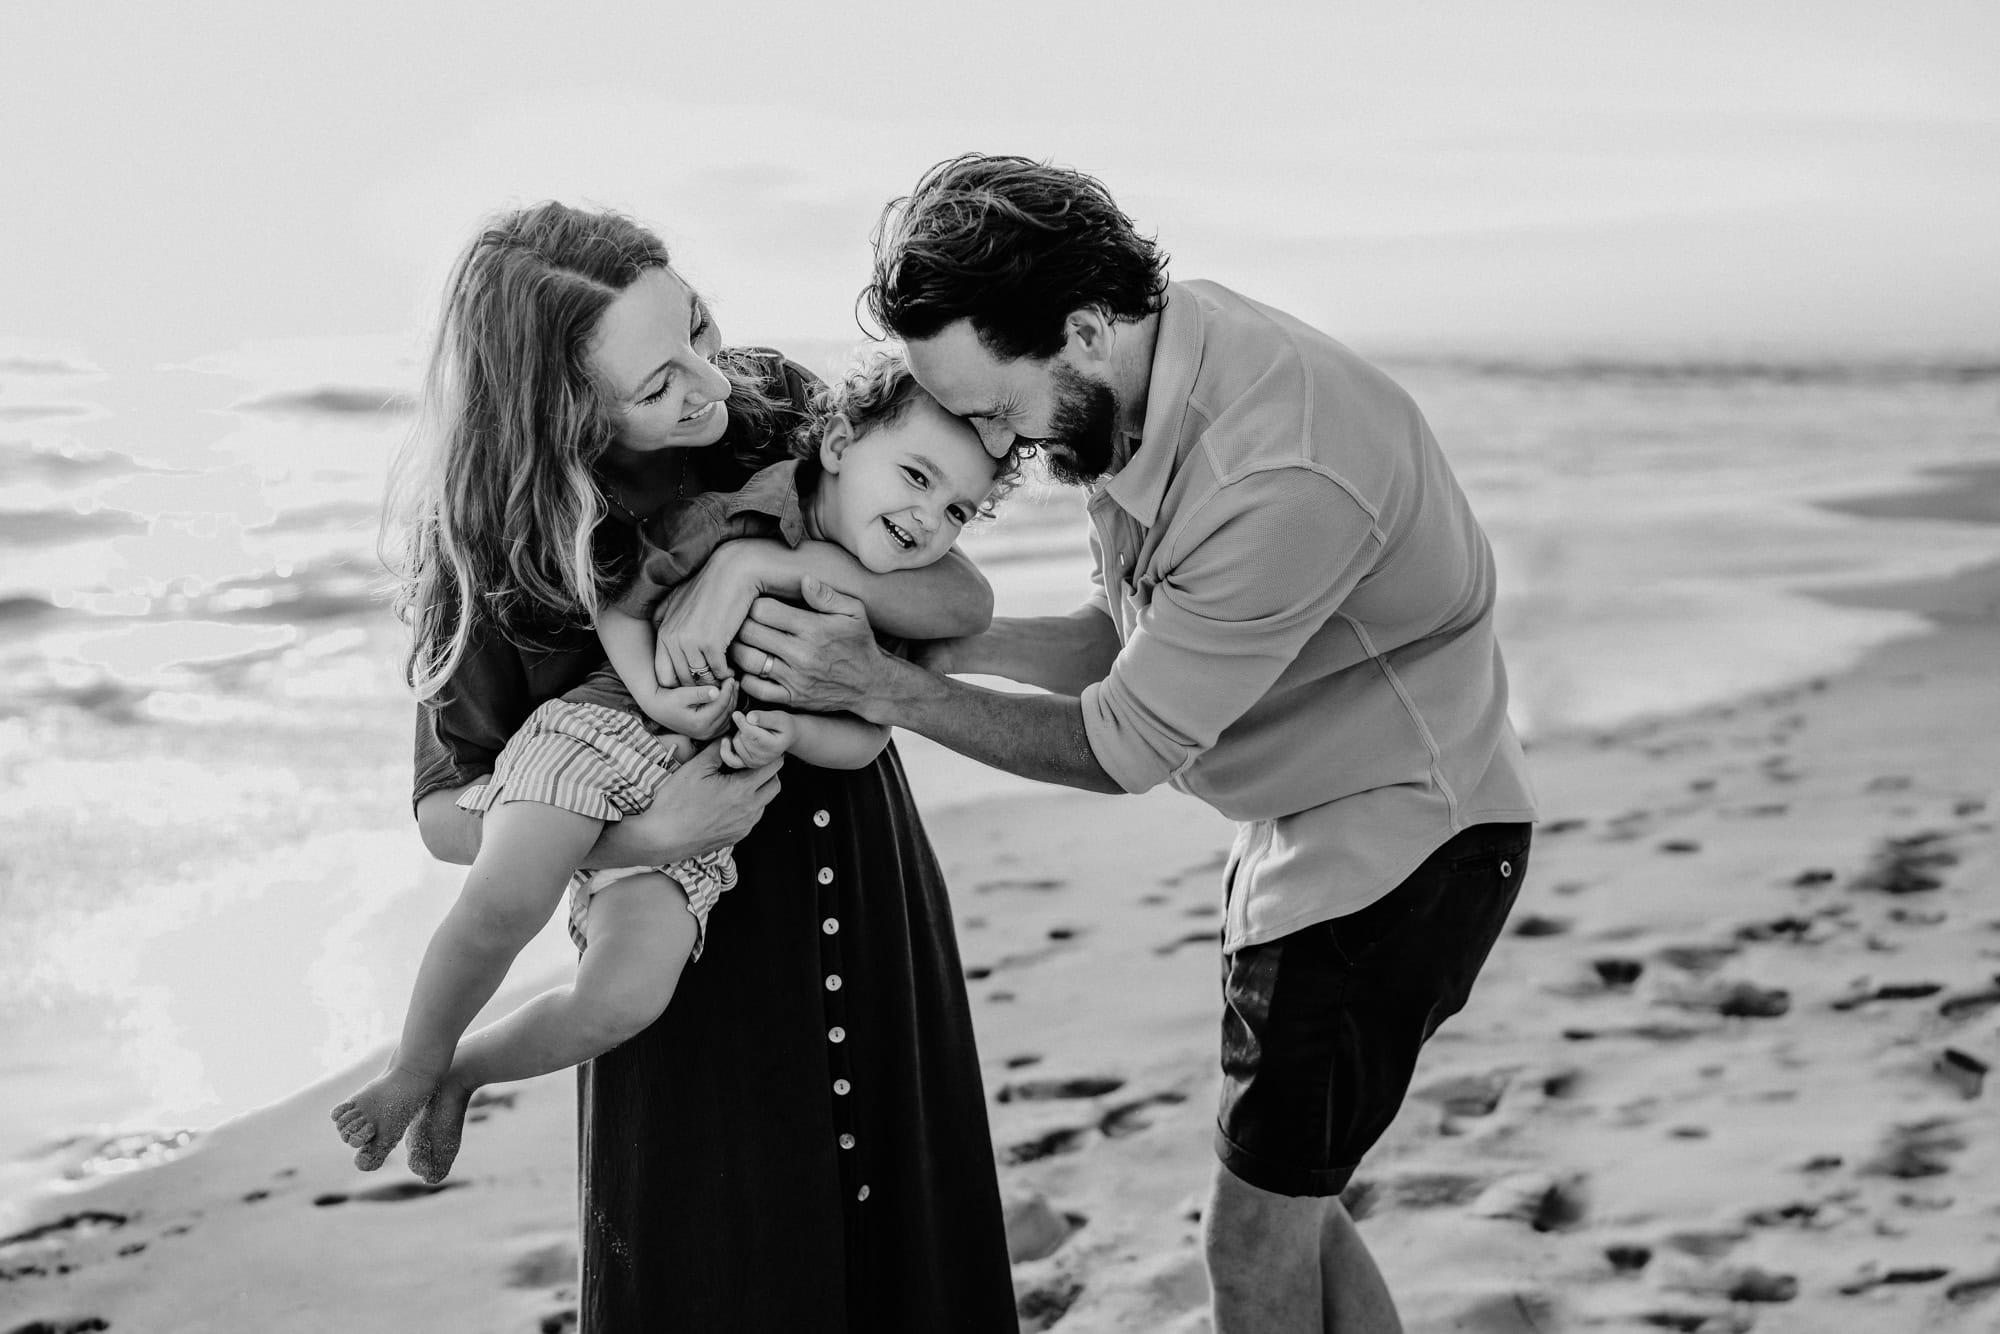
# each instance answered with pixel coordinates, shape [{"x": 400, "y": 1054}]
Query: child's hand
[
  {"x": 701, "y": 712},
  {"x": 760, "y": 737}
]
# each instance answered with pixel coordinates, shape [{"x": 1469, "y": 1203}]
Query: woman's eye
[{"x": 659, "y": 393}]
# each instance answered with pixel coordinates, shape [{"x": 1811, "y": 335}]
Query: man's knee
[{"x": 1247, "y": 1230}]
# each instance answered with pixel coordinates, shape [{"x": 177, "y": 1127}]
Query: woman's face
[{"x": 651, "y": 359}]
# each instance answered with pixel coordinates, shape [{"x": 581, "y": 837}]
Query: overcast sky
[{"x": 181, "y": 178}]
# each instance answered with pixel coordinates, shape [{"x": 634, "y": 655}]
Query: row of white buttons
[{"x": 836, "y": 1033}]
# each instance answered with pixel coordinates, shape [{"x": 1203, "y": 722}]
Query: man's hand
[
  {"x": 822, "y": 657},
  {"x": 761, "y": 738}
]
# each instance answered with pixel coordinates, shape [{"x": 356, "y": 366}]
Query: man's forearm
[
  {"x": 950, "y": 597},
  {"x": 1062, "y": 654},
  {"x": 1036, "y": 736}
]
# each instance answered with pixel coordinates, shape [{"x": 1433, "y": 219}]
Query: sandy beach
[{"x": 1726, "y": 1071}]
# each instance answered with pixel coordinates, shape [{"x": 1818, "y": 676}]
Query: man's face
[{"x": 1070, "y": 416}]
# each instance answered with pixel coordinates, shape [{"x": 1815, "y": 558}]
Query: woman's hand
[
  {"x": 699, "y": 618},
  {"x": 701, "y": 712},
  {"x": 698, "y": 808}
]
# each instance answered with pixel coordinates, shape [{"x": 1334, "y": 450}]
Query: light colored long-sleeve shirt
[{"x": 1305, "y": 607}]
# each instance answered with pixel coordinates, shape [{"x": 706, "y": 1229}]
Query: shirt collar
[
  {"x": 1141, "y": 485},
  {"x": 773, "y": 492}
]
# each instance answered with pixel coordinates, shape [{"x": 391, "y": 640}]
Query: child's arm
[
  {"x": 944, "y": 600},
  {"x": 829, "y": 740},
  {"x": 701, "y": 712}
]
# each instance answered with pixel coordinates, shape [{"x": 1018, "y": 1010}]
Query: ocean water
[{"x": 213, "y": 890}]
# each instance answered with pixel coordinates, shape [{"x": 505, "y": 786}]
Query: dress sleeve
[{"x": 462, "y": 730}]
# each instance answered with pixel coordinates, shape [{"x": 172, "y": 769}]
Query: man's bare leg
[{"x": 1279, "y": 1264}]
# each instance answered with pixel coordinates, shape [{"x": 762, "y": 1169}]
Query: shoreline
[{"x": 1565, "y": 1124}]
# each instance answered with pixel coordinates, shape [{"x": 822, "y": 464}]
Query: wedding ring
[
  {"x": 703, "y": 674},
  {"x": 765, "y": 670}
]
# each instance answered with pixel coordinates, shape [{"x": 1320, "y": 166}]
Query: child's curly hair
[{"x": 876, "y": 391}]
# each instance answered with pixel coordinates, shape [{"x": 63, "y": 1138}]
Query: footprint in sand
[
  {"x": 1535, "y": 1198},
  {"x": 1680, "y": 846},
  {"x": 1626, "y": 1258},
  {"x": 1617, "y": 974},
  {"x": 393, "y": 1193},
  {"x": 544, "y": 1266},
  {"x": 1697, "y": 959},
  {"x": 1023, "y": 1060},
  {"x": 1909, "y": 864},
  {"x": 1044, "y": 1304},
  {"x": 1466, "y": 1095},
  {"x": 1889, "y": 991},
  {"x": 1534, "y": 925},
  {"x": 1918, "y": 1149},
  {"x": 1064, "y": 1139},
  {"x": 1129, "y": 1118},
  {"x": 87, "y": 1324},
  {"x": 1191, "y": 938},
  {"x": 1033, "y": 886},
  {"x": 1868, "y": 1280},
  {"x": 484, "y": 1104},
  {"x": 561, "y": 1322},
  {"x": 1048, "y": 1090},
  {"x": 38, "y": 1252},
  {"x": 1965, "y": 1004},
  {"x": 1202, "y": 869}
]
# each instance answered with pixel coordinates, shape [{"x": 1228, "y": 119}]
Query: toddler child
[{"x": 881, "y": 470}]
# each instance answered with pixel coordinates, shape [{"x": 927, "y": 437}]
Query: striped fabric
[{"x": 602, "y": 763}]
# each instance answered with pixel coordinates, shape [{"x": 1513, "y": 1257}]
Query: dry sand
[{"x": 1724, "y": 1072}]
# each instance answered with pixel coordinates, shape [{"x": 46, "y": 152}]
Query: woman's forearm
[
  {"x": 450, "y": 833},
  {"x": 941, "y": 601}
]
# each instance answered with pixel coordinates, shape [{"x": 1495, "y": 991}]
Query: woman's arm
[
  {"x": 699, "y": 807},
  {"x": 946, "y": 600},
  {"x": 701, "y": 712}
]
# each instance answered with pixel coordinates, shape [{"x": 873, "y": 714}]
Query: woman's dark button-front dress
[{"x": 800, "y": 1141}]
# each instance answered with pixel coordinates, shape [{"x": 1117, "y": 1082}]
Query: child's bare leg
[
  {"x": 641, "y": 934},
  {"x": 527, "y": 852}
]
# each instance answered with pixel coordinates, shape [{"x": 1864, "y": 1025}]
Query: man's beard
[{"x": 1082, "y": 442}]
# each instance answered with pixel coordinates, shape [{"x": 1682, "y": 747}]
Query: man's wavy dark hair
[{"x": 1013, "y": 245}]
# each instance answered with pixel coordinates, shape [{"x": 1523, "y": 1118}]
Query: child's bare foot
[
  {"x": 435, "y": 1134},
  {"x": 376, "y": 1117}
]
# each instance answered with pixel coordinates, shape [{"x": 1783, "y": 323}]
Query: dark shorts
[{"x": 1321, "y": 1028}]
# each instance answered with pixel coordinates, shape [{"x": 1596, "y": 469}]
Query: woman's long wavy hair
[{"x": 493, "y": 501}]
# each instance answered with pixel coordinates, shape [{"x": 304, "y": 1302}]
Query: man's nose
[{"x": 997, "y": 437}]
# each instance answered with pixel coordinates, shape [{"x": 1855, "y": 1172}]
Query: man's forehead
[{"x": 957, "y": 369}]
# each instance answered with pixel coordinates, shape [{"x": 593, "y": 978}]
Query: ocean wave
[
  {"x": 329, "y": 401},
  {"x": 1869, "y": 373},
  {"x": 23, "y": 461},
  {"x": 20, "y": 365},
  {"x": 31, "y": 412},
  {"x": 53, "y": 527}
]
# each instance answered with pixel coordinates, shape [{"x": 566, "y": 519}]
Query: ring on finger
[{"x": 765, "y": 670}]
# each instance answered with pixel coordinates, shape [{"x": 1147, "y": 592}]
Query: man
[{"x": 1292, "y": 619}]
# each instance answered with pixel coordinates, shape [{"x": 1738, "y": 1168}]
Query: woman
[{"x": 800, "y": 1141}]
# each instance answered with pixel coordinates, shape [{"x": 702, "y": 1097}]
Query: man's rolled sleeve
[{"x": 1254, "y": 574}]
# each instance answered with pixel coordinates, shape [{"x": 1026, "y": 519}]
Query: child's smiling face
[{"x": 897, "y": 495}]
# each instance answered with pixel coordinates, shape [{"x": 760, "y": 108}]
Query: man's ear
[
  {"x": 1087, "y": 337},
  {"x": 834, "y": 440}
]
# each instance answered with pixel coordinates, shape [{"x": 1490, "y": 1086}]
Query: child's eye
[
  {"x": 960, "y": 515},
  {"x": 916, "y": 478}
]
